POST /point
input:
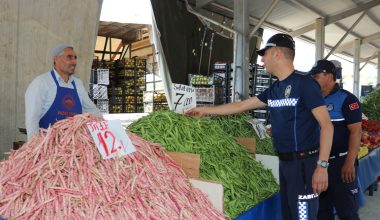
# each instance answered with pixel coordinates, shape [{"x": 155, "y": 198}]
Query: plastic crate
[
  {"x": 100, "y": 76},
  {"x": 98, "y": 91},
  {"x": 102, "y": 105},
  {"x": 212, "y": 94}
]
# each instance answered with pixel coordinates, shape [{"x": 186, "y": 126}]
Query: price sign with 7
[
  {"x": 183, "y": 98},
  {"x": 110, "y": 138}
]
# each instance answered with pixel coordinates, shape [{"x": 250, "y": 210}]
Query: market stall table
[
  {"x": 269, "y": 209},
  {"x": 368, "y": 171}
]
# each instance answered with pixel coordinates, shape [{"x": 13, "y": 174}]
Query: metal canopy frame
[
  {"x": 241, "y": 37},
  {"x": 352, "y": 48}
]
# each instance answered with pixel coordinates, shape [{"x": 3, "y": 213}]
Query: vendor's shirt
[
  {"x": 290, "y": 102},
  {"x": 344, "y": 109},
  {"x": 41, "y": 93}
]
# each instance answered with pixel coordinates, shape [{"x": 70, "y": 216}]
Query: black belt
[
  {"x": 298, "y": 154},
  {"x": 338, "y": 155}
]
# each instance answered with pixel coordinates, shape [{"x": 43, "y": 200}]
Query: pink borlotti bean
[{"x": 59, "y": 174}]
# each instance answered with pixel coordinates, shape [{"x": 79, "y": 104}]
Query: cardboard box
[
  {"x": 213, "y": 190},
  {"x": 249, "y": 144},
  {"x": 270, "y": 162},
  {"x": 190, "y": 163}
]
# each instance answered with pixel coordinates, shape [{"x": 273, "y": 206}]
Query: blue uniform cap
[
  {"x": 278, "y": 40},
  {"x": 323, "y": 66}
]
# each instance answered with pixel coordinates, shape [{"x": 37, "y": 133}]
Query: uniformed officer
[
  {"x": 301, "y": 128},
  {"x": 57, "y": 94},
  {"x": 346, "y": 116}
]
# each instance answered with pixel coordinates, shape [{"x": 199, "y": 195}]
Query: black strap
[{"x": 299, "y": 154}]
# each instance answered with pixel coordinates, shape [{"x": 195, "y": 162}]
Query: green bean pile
[
  {"x": 237, "y": 126},
  {"x": 245, "y": 181}
]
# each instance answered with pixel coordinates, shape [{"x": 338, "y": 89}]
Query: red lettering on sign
[
  {"x": 108, "y": 133},
  {"x": 103, "y": 143},
  {"x": 103, "y": 125}
]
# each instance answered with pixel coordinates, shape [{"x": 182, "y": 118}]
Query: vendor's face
[{"x": 66, "y": 62}]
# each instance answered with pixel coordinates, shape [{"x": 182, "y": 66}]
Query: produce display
[
  {"x": 371, "y": 133},
  {"x": 245, "y": 181},
  {"x": 160, "y": 97},
  {"x": 59, "y": 174},
  {"x": 363, "y": 151},
  {"x": 371, "y": 125},
  {"x": 237, "y": 126},
  {"x": 127, "y": 81},
  {"x": 206, "y": 80},
  {"x": 371, "y": 105}
]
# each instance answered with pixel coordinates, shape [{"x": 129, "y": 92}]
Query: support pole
[
  {"x": 319, "y": 38},
  {"x": 378, "y": 66},
  {"x": 357, "y": 43},
  {"x": 241, "y": 52}
]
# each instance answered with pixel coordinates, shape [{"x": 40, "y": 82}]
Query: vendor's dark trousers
[
  {"x": 339, "y": 195},
  {"x": 298, "y": 202}
]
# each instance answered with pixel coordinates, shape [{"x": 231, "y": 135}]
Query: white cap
[{"x": 59, "y": 49}]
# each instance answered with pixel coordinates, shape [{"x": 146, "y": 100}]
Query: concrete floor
[{"x": 371, "y": 209}]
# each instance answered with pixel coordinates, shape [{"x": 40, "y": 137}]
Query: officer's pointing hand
[{"x": 197, "y": 112}]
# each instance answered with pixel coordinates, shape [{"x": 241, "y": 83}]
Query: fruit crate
[
  {"x": 212, "y": 95},
  {"x": 201, "y": 80}
]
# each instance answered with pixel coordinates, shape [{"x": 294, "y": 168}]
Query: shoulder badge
[
  {"x": 288, "y": 90},
  {"x": 330, "y": 107}
]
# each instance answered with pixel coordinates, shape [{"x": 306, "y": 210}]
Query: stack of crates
[
  {"x": 260, "y": 80},
  {"x": 98, "y": 89},
  {"x": 224, "y": 70},
  {"x": 208, "y": 89}
]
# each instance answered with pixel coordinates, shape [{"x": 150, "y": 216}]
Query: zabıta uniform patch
[
  {"x": 354, "y": 106},
  {"x": 288, "y": 90},
  {"x": 330, "y": 107},
  {"x": 303, "y": 211}
]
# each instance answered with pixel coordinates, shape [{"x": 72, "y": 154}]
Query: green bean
[
  {"x": 237, "y": 126},
  {"x": 245, "y": 181}
]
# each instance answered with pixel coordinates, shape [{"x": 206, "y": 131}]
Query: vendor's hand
[
  {"x": 198, "y": 112},
  {"x": 348, "y": 172},
  {"x": 320, "y": 180}
]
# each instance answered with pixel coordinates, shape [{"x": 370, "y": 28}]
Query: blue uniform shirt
[
  {"x": 344, "y": 109},
  {"x": 290, "y": 102}
]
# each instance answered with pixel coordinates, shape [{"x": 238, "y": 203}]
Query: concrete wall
[{"x": 29, "y": 30}]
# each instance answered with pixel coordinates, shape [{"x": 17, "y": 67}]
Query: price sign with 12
[{"x": 110, "y": 138}]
